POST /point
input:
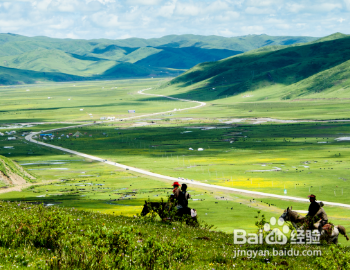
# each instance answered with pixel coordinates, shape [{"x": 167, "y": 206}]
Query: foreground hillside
[
  {"x": 37, "y": 237},
  {"x": 11, "y": 173},
  {"x": 67, "y": 60},
  {"x": 275, "y": 72}
]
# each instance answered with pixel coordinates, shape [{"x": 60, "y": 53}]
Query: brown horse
[
  {"x": 299, "y": 222},
  {"x": 163, "y": 209}
]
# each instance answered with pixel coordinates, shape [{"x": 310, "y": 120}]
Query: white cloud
[
  {"x": 167, "y": 10},
  {"x": 152, "y": 18},
  {"x": 330, "y": 6},
  {"x": 104, "y": 19},
  {"x": 217, "y": 6},
  {"x": 41, "y": 5},
  {"x": 104, "y": 2},
  {"x": 347, "y": 4},
  {"x": 12, "y": 25},
  {"x": 256, "y": 10},
  {"x": 187, "y": 9},
  {"x": 63, "y": 24},
  {"x": 144, "y": 2},
  {"x": 6, "y": 5},
  {"x": 227, "y": 16},
  {"x": 226, "y": 33},
  {"x": 295, "y": 7},
  {"x": 253, "y": 29},
  {"x": 264, "y": 3}
]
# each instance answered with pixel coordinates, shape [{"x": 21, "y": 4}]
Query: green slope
[
  {"x": 9, "y": 170},
  {"x": 295, "y": 70},
  {"x": 11, "y": 44},
  {"x": 38, "y": 237},
  {"x": 91, "y": 58},
  {"x": 184, "y": 58},
  {"x": 243, "y": 43},
  {"x": 55, "y": 61},
  {"x": 10, "y": 76}
]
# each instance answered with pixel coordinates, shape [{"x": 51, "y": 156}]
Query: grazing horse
[
  {"x": 329, "y": 233},
  {"x": 163, "y": 210}
]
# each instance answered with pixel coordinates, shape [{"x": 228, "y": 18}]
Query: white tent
[{"x": 77, "y": 134}]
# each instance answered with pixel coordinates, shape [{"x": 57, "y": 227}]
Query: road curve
[{"x": 144, "y": 172}]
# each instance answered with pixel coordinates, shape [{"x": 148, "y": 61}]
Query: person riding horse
[
  {"x": 323, "y": 218},
  {"x": 181, "y": 197},
  {"x": 316, "y": 213},
  {"x": 183, "y": 200}
]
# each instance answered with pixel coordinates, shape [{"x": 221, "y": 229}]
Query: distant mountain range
[
  {"x": 287, "y": 72},
  {"x": 32, "y": 59}
]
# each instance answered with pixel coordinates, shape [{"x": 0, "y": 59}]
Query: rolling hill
[
  {"x": 296, "y": 70},
  {"x": 95, "y": 59},
  {"x": 11, "y": 173},
  {"x": 10, "y": 76}
]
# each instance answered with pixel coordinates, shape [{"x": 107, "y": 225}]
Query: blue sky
[{"x": 116, "y": 19}]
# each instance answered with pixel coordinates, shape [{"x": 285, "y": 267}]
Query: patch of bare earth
[{"x": 14, "y": 181}]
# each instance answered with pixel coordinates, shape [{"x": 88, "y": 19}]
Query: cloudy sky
[{"x": 116, "y": 19}]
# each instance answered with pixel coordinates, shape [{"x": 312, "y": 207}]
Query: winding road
[{"x": 144, "y": 172}]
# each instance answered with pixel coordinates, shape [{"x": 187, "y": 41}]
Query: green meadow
[
  {"x": 276, "y": 121},
  {"x": 79, "y": 101},
  {"x": 302, "y": 158}
]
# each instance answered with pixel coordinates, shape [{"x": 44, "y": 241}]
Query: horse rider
[
  {"x": 313, "y": 207},
  {"x": 183, "y": 198},
  {"x": 174, "y": 197},
  {"x": 317, "y": 212},
  {"x": 176, "y": 190},
  {"x": 323, "y": 218}
]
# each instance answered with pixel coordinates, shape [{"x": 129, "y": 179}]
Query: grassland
[
  {"x": 303, "y": 158},
  {"x": 302, "y": 153},
  {"x": 161, "y": 145},
  {"x": 85, "y": 240},
  {"x": 79, "y": 102}
]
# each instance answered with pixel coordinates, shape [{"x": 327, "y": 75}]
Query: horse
[
  {"x": 329, "y": 233},
  {"x": 163, "y": 210}
]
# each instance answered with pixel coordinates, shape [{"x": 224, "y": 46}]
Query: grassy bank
[{"x": 36, "y": 237}]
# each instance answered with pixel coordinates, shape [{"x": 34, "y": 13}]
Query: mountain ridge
[
  {"x": 91, "y": 59},
  {"x": 295, "y": 70}
]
